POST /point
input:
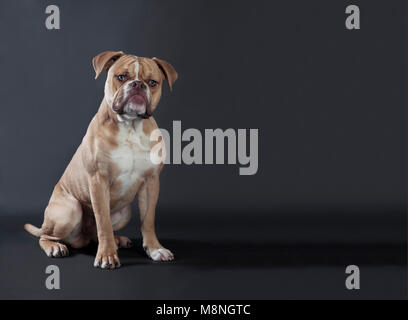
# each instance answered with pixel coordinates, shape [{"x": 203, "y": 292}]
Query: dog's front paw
[
  {"x": 160, "y": 254},
  {"x": 107, "y": 259}
]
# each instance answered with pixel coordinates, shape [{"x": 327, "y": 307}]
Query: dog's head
[{"x": 133, "y": 86}]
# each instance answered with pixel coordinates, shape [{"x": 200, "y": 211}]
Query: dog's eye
[
  {"x": 152, "y": 83},
  {"x": 121, "y": 77}
]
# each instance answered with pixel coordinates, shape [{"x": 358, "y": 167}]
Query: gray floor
[{"x": 235, "y": 257}]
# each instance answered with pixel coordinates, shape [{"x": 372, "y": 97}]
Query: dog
[{"x": 111, "y": 166}]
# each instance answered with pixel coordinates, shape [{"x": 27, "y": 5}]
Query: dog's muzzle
[{"x": 134, "y": 103}]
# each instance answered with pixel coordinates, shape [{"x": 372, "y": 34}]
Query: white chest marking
[{"x": 132, "y": 156}]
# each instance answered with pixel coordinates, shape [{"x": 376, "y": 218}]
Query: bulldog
[{"x": 111, "y": 166}]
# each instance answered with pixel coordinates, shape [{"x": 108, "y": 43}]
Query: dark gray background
[{"x": 330, "y": 106}]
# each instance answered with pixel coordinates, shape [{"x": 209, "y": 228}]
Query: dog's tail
[{"x": 33, "y": 230}]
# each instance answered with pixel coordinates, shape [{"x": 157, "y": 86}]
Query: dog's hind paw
[
  {"x": 54, "y": 249},
  {"x": 123, "y": 242}
]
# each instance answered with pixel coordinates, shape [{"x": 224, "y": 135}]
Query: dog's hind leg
[
  {"x": 62, "y": 224},
  {"x": 119, "y": 220}
]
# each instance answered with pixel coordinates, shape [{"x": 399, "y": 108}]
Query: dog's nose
[{"x": 138, "y": 84}]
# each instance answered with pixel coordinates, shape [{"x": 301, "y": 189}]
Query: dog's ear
[
  {"x": 169, "y": 72},
  {"x": 105, "y": 60}
]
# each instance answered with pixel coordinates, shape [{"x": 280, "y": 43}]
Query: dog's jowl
[{"x": 111, "y": 166}]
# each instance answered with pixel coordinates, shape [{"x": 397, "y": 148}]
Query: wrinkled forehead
[{"x": 137, "y": 67}]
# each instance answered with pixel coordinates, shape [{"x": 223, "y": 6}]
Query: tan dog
[{"x": 112, "y": 164}]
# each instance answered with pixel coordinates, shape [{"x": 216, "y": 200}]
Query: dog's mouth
[
  {"x": 137, "y": 100},
  {"x": 136, "y": 105}
]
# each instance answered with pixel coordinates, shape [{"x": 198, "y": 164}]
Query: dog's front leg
[
  {"x": 106, "y": 257},
  {"x": 147, "y": 200}
]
